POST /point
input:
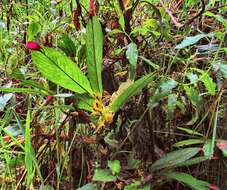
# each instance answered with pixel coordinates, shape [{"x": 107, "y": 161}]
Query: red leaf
[
  {"x": 213, "y": 187},
  {"x": 92, "y": 9}
]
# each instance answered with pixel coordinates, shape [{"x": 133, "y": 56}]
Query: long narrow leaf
[
  {"x": 172, "y": 159},
  {"x": 127, "y": 90},
  {"x": 94, "y": 45},
  {"x": 188, "y": 180},
  {"x": 23, "y": 90},
  {"x": 28, "y": 148}
]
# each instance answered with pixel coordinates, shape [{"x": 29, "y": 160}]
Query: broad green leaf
[
  {"x": 94, "y": 50},
  {"x": 188, "y": 142},
  {"x": 61, "y": 70},
  {"x": 115, "y": 166},
  {"x": 89, "y": 186},
  {"x": 103, "y": 175},
  {"x": 174, "y": 158},
  {"x": 127, "y": 90},
  {"x": 191, "y": 40},
  {"x": 132, "y": 56},
  {"x": 188, "y": 180}
]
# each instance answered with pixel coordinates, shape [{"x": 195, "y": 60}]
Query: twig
[{"x": 174, "y": 19}]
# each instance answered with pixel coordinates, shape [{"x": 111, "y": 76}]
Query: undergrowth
[{"x": 113, "y": 94}]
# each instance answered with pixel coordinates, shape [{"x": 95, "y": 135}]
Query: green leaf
[
  {"x": 207, "y": 149},
  {"x": 133, "y": 163},
  {"x": 33, "y": 29},
  {"x": 23, "y": 90},
  {"x": 68, "y": 46},
  {"x": 103, "y": 175},
  {"x": 28, "y": 150},
  {"x": 172, "y": 103},
  {"x": 190, "y": 131},
  {"x": 162, "y": 91},
  {"x": 88, "y": 186},
  {"x": 223, "y": 70},
  {"x": 193, "y": 161},
  {"x": 217, "y": 17},
  {"x": 155, "y": 66},
  {"x": 94, "y": 46},
  {"x": 132, "y": 56},
  {"x": 132, "y": 186},
  {"x": 146, "y": 187},
  {"x": 188, "y": 180},
  {"x": 191, "y": 40},
  {"x": 109, "y": 139},
  {"x": 127, "y": 90},
  {"x": 172, "y": 159},
  {"x": 188, "y": 142},
  {"x": 85, "y": 102},
  {"x": 115, "y": 166},
  {"x": 35, "y": 84},
  {"x": 208, "y": 82},
  {"x": 193, "y": 95},
  {"x": 136, "y": 186},
  {"x": 61, "y": 70}
]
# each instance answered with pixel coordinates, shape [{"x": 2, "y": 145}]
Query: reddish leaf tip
[{"x": 213, "y": 187}]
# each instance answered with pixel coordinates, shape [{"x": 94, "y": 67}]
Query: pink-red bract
[{"x": 33, "y": 45}]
